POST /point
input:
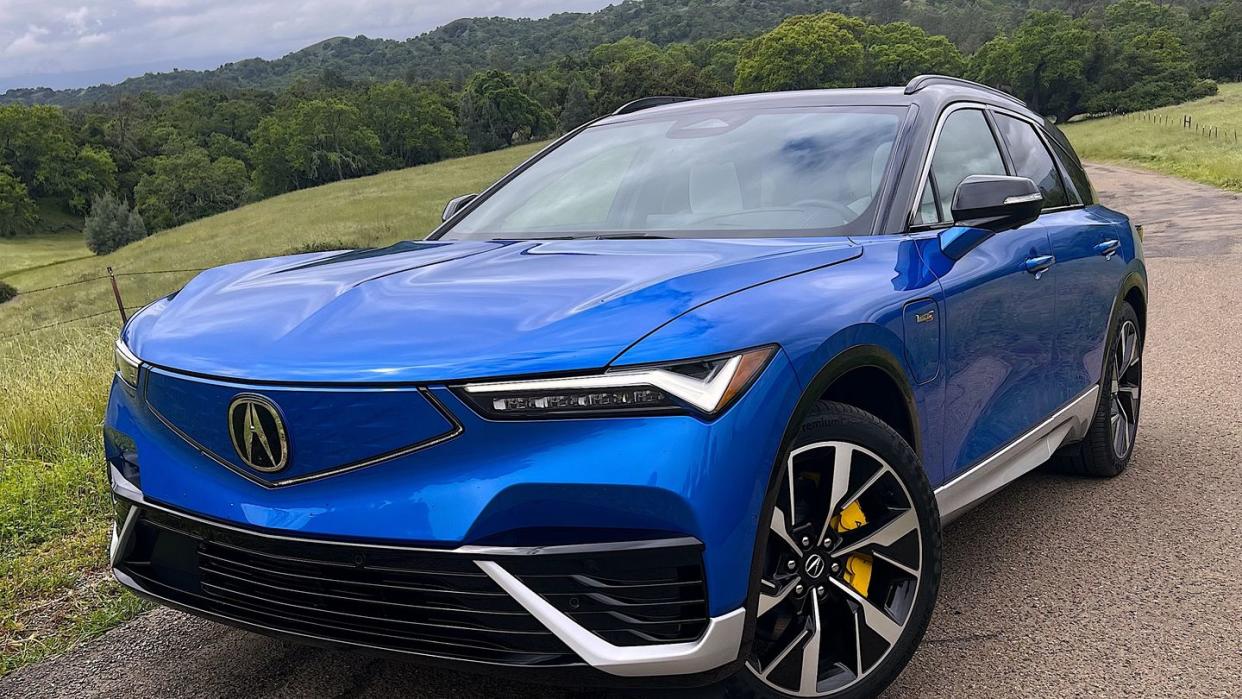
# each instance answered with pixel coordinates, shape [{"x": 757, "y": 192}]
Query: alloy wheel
[
  {"x": 841, "y": 570},
  {"x": 1127, "y": 377}
]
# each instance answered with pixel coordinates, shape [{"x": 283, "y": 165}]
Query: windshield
[{"x": 771, "y": 172}]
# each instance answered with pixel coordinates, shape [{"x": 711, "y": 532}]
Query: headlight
[
  {"x": 126, "y": 364},
  {"x": 707, "y": 386}
]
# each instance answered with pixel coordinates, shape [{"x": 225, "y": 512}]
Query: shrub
[
  {"x": 7, "y": 292},
  {"x": 111, "y": 225},
  {"x": 17, "y": 210}
]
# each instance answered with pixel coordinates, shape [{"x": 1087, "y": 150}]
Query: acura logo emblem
[
  {"x": 258, "y": 433},
  {"x": 815, "y": 565}
]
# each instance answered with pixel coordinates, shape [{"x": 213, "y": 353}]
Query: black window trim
[
  {"x": 988, "y": 109},
  {"x": 1071, "y": 192}
]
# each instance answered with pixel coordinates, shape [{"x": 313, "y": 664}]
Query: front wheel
[{"x": 850, "y": 565}]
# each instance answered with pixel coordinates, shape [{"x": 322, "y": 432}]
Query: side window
[
  {"x": 1031, "y": 159},
  {"x": 965, "y": 148},
  {"x": 1077, "y": 175}
]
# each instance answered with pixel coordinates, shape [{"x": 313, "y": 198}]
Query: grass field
[
  {"x": 54, "y": 506},
  {"x": 1157, "y": 141},
  {"x": 59, "y": 238}
]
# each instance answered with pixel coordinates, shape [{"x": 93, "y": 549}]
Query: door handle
[
  {"x": 1039, "y": 265},
  {"x": 1108, "y": 248}
]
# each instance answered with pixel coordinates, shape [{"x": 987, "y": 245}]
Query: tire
[
  {"x": 1105, "y": 451},
  {"x": 881, "y": 541}
]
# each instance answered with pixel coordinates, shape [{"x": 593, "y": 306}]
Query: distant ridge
[{"x": 461, "y": 47}]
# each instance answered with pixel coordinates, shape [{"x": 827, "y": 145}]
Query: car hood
[{"x": 442, "y": 311}]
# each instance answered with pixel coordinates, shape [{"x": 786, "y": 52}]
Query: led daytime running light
[{"x": 708, "y": 394}]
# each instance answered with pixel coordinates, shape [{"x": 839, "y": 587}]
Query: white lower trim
[
  {"x": 1030, "y": 450},
  {"x": 719, "y": 645}
]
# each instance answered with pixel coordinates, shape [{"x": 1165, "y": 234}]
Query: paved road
[{"x": 1055, "y": 587}]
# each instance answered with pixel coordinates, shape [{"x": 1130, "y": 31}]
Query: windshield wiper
[{"x": 629, "y": 236}]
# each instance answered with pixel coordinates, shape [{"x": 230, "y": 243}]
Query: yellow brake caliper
[{"x": 858, "y": 565}]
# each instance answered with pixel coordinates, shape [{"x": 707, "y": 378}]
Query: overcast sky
[{"x": 58, "y": 43}]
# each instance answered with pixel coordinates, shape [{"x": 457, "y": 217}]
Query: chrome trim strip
[
  {"x": 454, "y": 431},
  {"x": 577, "y": 548},
  {"x": 134, "y": 496},
  {"x": 719, "y": 644},
  {"x": 1024, "y": 199},
  {"x": 121, "y": 538},
  {"x": 1017, "y": 458}
]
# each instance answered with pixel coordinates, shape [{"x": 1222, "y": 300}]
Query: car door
[
  {"x": 1090, "y": 262},
  {"x": 999, "y": 305}
]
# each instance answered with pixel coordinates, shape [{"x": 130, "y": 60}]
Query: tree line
[{"x": 176, "y": 158}]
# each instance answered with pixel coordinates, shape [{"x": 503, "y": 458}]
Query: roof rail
[
  {"x": 647, "y": 103},
  {"x": 919, "y": 82}
]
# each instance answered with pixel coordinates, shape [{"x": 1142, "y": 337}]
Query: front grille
[
  {"x": 416, "y": 601},
  {"x": 392, "y": 599}
]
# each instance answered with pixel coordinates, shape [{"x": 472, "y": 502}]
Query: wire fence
[
  {"x": 1189, "y": 124},
  {"x": 111, "y": 276}
]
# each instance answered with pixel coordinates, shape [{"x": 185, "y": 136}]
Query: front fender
[{"x": 826, "y": 321}]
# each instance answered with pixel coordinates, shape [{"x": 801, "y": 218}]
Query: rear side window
[
  {"x": 1032, "y": 160},
  {"x": 965, "y": 148},
  {"x": 1073, "y": 168}
]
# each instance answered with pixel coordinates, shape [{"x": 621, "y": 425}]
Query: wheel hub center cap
[{"x": 815, "y": 565}]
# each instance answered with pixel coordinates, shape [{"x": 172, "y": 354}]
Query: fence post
[{"x": 116, "y": 292}]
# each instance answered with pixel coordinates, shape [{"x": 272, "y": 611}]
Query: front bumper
[
  {"x": 628, "y": 609},
  {"x": 493, "y": 507}
]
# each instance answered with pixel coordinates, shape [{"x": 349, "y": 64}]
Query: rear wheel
[
  {"x": 1106, "y": 450},
  {"x": 851, "y": 562}
]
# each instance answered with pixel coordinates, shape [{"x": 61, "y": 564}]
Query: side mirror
[
  {"x": 984, "y": 205},
  {"x": 456, "y": 204}
]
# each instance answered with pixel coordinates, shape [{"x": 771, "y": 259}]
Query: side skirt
[{"x": 1030, "y": 450}]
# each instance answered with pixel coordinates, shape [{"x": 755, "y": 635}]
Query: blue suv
[{"x": 684, "y": 399}]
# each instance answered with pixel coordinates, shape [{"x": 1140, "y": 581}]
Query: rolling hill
[{"x": 459, "y": 48}]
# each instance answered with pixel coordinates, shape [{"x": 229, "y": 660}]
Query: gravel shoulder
[{"x": 1057, "y": 586}]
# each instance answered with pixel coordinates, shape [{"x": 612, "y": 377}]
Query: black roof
[{"x": 932, "y": 92}]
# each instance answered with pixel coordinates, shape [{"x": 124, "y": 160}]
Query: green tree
[
  {"x": 494, "y": 112},
  {"x": 412, "y": 124},
  {"x": 804, "y": 52},
  {"x": 577, "y": 109},
  {"x": 315, "y": 142},
  {"x": 17, "y": 211},
  {"x": 111, "y": 225},
  {"x": 1046, "y": 63},
  {"x": 92, "y": 174},
  {"x": 896, "y": 52},
  {"x": 1219, "y": 42},
  {"x": 38, "y": 145},
  {"x": 188, "y": 186},
  {"x": 631, "y": 69},
  {"x": 993, "y": 63},
  {"x": 1149, "y": 70}
]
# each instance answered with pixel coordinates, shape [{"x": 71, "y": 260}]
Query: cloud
[{"x": 48, "y": 41}]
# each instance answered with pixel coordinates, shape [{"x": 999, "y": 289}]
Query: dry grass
[{"x": 1156, "y": 140}]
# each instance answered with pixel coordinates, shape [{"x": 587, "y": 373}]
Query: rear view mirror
[
  {"x": 987, "y": 204},
  {"x": 456, "y": 204},
  {"x": 996, "y": 202}
]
